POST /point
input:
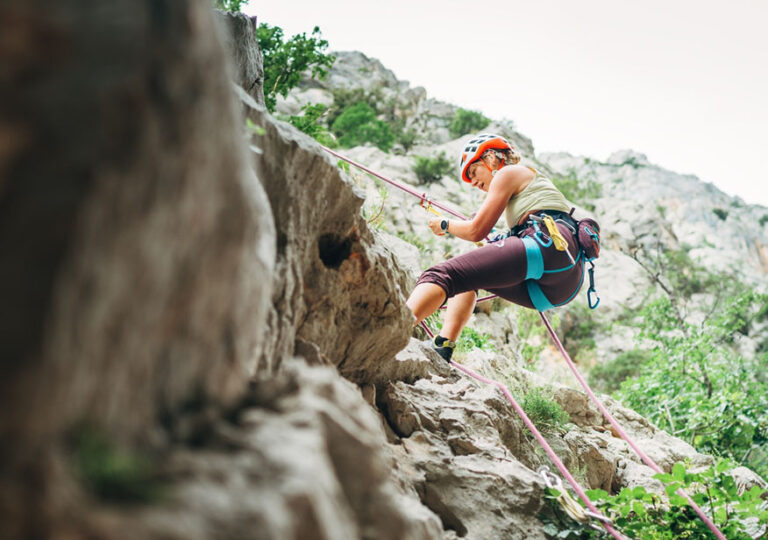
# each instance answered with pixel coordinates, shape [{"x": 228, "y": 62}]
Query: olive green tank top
[{"x": 540, "y": 194}]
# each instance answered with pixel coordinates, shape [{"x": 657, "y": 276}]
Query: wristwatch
[{"x": 444, "y": 225}]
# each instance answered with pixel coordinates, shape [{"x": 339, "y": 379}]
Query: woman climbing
[{"x": 525, "y": 268}]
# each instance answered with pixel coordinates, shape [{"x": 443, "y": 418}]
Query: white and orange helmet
[{"x": 476, "y": 147}]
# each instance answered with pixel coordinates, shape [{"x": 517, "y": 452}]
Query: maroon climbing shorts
[{"x": 501, "y": 268}]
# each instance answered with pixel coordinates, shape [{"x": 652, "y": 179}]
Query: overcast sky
[{"x": 684, "y": 82}]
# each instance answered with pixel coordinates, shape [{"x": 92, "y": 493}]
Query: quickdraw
[{"x": 570, "y": 505}]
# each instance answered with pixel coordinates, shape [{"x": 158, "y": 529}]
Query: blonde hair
[{"x": 511, "y": 156}]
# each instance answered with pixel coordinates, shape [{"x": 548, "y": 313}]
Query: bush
[
  {"x": 639, "y": 514},
  {"x": 472, "y": 339},
  {"x": 578, "y": 191},
  {"x": 432, "y": 169},
  {"x": 763, "y": 220},
  {"x": 465, "y": 121},
  {"x": 547, "y": 415},
  {"x": 230, "y": 5},
  {"x": 310, "y": 124},
  {"x": 719, "y": 212},
  {"x": 285, "y": 62},
  {"x": 357, "y": 125},
  {"x": 607, "y": 377}
]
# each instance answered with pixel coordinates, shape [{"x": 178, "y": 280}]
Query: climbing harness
[{"x": 591, "y": 251}]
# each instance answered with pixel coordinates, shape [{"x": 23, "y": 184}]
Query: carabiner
[{"x": 591, "y": 291}]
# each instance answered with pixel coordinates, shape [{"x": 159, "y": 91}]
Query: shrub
[
  {"x": 358, "y": 125},
  {"x": 230, "y": 5},
  {"x": 310, "y": 124},
  {"x": 110, "y": 473},
  {"x": 608, "y": 376},
  {"x": 285, "y": 62},
  {"x": 432, "y": 169},
  {"x": 578, "y": 191},
  {"x": 465, "y": 121},
  {"x": 406, "y": 138},
  {"x": 472, "y": 339},
  {"x": 763, "y": 220},
  {"x": 547, "y": 415},
  {"x": 719, "y": 212},
  {"x": 639, "y": 514}
]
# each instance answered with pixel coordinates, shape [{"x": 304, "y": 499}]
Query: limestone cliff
[{"x": 203, "y": 341}]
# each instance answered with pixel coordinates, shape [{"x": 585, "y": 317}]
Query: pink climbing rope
[
  {"x": 544, "y": 444},
  {"x": 648, "y": 461},
  {"x": 398, "y": 185}
]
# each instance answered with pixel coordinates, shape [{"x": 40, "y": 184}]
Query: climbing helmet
[{"x": 476, "y": 146}]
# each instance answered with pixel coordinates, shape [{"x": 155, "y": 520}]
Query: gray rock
[
  {"x": 245, "y": 60},
  {"x": 335, "y": 287}
]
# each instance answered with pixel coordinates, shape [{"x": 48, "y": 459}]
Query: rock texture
[
  {"x": 239, "y": 342},
  {"x": 242, "y": 47},
  {"x": 337, "y": 292},
  {"x": 134, "y": 232}
]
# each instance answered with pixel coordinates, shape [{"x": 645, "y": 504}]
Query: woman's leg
[
  {"x": 459, "y": 309},
  {"x": 425, "y": 299}
]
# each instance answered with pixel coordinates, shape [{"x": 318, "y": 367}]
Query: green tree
[
  {"x": 230, "y": 5},
  {"x": 696, "y": 383},
  {"x": 358, "y": 124},
  {"x": 286, "y": 61},
  {"x": 465, "y": 121},
  {"x": 432, "y": 169},
  {"x": 310, "y": 124}
]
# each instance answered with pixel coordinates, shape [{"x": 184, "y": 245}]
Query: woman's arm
[{"x": 509, "y": 181}]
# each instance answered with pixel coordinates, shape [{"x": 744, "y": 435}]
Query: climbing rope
[
  {"x": 605, "y": 522},
  {"x": 648, "y": 461},
  {"x": 608, "y": 416}
]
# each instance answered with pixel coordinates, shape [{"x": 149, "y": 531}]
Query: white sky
[{"x": 684, "y": 82}]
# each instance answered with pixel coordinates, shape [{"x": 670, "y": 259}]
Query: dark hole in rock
[{"x": 334, "y": 250}]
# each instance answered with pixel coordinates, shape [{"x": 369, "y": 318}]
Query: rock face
[
  {"x": 242, "y": 47},
  {"x": 134, "y": 231},
  {"x": 337, "y": 293},
  {"x": 245, "y": 335}
]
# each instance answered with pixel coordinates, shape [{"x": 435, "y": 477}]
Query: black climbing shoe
[{"x": 444, "y": 347}]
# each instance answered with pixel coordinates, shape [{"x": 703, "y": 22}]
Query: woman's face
[{"x": 480, "y": 175}]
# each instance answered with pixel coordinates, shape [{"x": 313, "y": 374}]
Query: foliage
[
  {"x": 608, "y": 376},
  {"x": 286, "y": 61},
  {"x": 578, "y": 191},
  {"x": 432, "y": 169},
  {"x": 358, "y": 124},
  {"x": 374, "y": 216},
  {"x": 697, "y": 387},
  {"x": 546, "y": 414},
  {"x": 763, "y": 220},
  {"x": 230, "y": 5},
  {"x": 532, "y": 335},
  {"x": 640, "y": 514},
  {"x": 472, "y": 339},
  {"x": 465, "y": 121},
  {"x": 310, "y": 124},
  {"x": 110, "y": 473},
  {"x": 719, "y": 212},
  {"x": 406, "y": 138},
  {"x": 577, "y": 329}
]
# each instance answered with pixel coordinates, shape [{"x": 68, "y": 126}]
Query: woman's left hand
[{"x": 434, "y": 224}]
